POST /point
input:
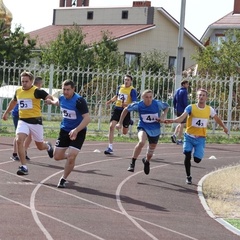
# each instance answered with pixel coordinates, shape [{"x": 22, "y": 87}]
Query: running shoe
[
  {"x": 179, "y": 142},
  {"x": 22, "y": 171},
  {"x": 27, "y": 157},
  {"x": 15, "y": 158},
  {"x": 62, "y": 183},
  {"x": 108, "y": 151},
  {"x": 50, "y": 150},
  {"x": 174, "y": 138},
  {"x": 189, "y": 180},
  {"x": 131, "y": 167},
  {"x": 146, "y": 166}
]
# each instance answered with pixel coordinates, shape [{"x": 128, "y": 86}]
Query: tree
[
  {"x": 220, "y": 59},
  {"x": 106, "y": 54},
  {"x": 68, "y": 50},
  {"x": 154, "y": 61},
  {"x": 15, "y": 47}
]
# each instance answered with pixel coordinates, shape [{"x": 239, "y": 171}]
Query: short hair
[
  {"x": 68, "y": 82},
  {"x": 202, "y": 90},
  {"x": 129, "y": 76},
  {"x": 183, "y": 82},
  {"x": 146, "y": 91},
  {"x": 29, "y": 74},
  {"x": 37, "y": 80}
]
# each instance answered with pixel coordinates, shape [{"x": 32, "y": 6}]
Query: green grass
[
  {"x": 234, "y": 222},
  {"x": 99, "y": 133}
]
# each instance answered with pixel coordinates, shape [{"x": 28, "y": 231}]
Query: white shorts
[{"x": 36, "y": 130}]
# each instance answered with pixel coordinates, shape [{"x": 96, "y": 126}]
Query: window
[
  {"x": 90, "y": 15},
  {"x": 220, "y": 38},
  {"x": 172, "y": 63},
  {"x": 132, "y": 59},
  {"x": 74, "y": 3},
  {"x": 124, "y": 14}
]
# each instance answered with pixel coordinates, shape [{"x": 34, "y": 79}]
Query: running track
[{"x": 105, "y": 201}]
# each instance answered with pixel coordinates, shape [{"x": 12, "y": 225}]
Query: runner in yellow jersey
[
  {"x": 28, "y": 98},
  {"x": 196, "y": 129},
  {"x": 125, "y": 95}
]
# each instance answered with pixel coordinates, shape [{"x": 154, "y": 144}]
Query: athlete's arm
[
  {"x": 220, "y": 122},
  {"x": 10, "y": 107},
  {"x": 53, "y": 101}
]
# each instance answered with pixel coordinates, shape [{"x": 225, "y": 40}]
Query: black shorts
[
  {"x": 179, "y": 114},
  {"x": 64, "y": 141},
  {"x": 151, "y": 140},
  {"x": 116, "y": 113}
]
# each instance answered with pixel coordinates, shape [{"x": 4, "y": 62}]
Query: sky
[{"x": 199, "y": 14}]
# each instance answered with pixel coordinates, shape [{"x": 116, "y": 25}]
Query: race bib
[
  {"x": 199, "y": 122},
  {"x": 122, "y": 97},
  {"x": 70, "y": 114},
  {"x": 25, "y": 104},
  {"x": 149, "y": 118}
]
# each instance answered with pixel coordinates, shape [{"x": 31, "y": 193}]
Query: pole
[{"x": 180, "y": 47}]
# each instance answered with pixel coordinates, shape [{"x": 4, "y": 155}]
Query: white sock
[
  {"x": 25, "y": 166},
  {"x": 110, "y": 145}
]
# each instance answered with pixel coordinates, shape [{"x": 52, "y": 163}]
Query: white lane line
[
  {"x": 33, "y": 195},
  {"x": 51, "y": 217},
  {"x": 96, "y": 203},
  {"x": 132, "y": 219},
  {"x": 15, "y": 175}
]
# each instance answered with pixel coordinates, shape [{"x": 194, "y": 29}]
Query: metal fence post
[
  {"x": 143, "y": 78},
  {"x": 229, "y": 115},
  {"x": 50, "y": 86}
]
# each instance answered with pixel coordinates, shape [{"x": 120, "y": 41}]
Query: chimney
[
  {"x": 141, "y": 4},
  {"x": 70, "y": 3},
  {"x": 236, "y": 8}
]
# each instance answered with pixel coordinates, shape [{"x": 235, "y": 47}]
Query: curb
[{"x": 208, "y": 210}]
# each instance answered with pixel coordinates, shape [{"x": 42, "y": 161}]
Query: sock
[
  {"x": 25, "y": 166},
  {"x": 134, "y": 160},
  {"x": 110, "y": 145},
  {"x": 14, "y": 154}
]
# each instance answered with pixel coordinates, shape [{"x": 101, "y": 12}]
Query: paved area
[{"x": 105, "y": 201}]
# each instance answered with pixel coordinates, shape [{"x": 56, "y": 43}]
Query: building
[
  {"x": 137, "y": 29},
  {"x": 216, "y": 31}
]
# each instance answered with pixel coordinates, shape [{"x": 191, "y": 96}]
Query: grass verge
[{"x": 221, "y": 190}]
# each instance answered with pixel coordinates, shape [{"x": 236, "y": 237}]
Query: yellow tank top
[
  {"x": 28, "y": 105},
  {"x": 197, "y": 121},
  {"x": 124, "y": 96}
]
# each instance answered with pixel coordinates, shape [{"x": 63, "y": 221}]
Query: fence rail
[{"x": 98, "y": 86}]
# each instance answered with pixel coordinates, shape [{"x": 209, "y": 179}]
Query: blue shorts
[
  {"x": 15, "y": 121},
  {"x": 198, "y": 144}
]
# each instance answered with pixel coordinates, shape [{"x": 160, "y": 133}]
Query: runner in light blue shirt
[{"x": 151, "y": 114}]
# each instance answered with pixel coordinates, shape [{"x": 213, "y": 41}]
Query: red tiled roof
[{"x": 93, "y": 32}]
